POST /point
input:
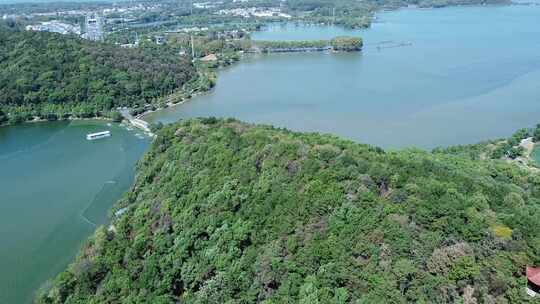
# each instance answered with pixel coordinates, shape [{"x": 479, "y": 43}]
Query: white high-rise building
[{"x": 93, "y": 28}]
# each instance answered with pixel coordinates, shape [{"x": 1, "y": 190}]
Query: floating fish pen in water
[{"x": 98, "y": 135}]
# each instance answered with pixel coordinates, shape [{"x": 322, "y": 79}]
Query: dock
[{"x": 136, "y": 122}]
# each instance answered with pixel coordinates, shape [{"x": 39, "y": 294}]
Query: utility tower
[{"x": 192, "y": 48}]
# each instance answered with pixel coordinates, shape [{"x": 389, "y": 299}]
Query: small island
[{"x": 337, "y": 44}]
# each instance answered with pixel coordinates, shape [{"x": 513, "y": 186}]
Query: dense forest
[
  {"x": 227, "y": 212},
  {"x": 54, "y": 76}
]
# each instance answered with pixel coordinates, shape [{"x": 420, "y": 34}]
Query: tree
[
  {"x": 3, "y": 117},
  {"x": 156, "y": 126},
  {"x": 308, "y": 291},
  {"x": 227, "y": 212},
  {"x": 515, "y": 152},
  {"x": 64, "y": 75},
  {"x": 116, "y": 116},
  {"x": 346, "y": 44},
  {"x": 536, "y": 133}
]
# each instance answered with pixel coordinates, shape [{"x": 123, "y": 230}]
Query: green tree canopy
[
  {"x": 42, "y": 74},
  {"x": 227, "y": 212}
]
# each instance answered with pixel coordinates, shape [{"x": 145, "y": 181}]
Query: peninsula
[
  {"x": 48, "y": 76},
  {"x": 224, "y": 211},
  {"x": 338, "y": 44}
]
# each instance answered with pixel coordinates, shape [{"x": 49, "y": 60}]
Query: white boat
[{"x": 98, "y": 135}]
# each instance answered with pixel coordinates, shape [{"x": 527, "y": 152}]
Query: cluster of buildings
[
  {"x": 6, "y": 16},
  {"x": 116, "y": 9},
  {"x": 55, "y": 27},
  {"x": 230, "y": 34},
  {"x": 194, "y": 29},
  {"x": 93, "y": 28},
  {"x": 95, "y": 19},
  {"x": 254, "y": 12},
  {"x": 136, "y": 8},
  {"x": 207, "y": 5}
]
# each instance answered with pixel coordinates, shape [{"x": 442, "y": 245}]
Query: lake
[
  {"x": 55, "y": 188},
  {"x": 471, "y": 73}
]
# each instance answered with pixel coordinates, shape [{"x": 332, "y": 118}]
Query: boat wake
[
  {"x": 34, "y": 147},
  {"x": 85, "y": 219}
]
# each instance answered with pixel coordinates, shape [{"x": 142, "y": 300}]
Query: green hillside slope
[
  {"x": 54, "y": 76},
  {"x": 226, "y": 212}
]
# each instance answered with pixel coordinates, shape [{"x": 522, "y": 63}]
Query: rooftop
[{"x": 533, "y": 275}]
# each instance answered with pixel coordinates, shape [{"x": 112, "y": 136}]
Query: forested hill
[
  {"x": 43, "y": 73},
  {"x": 226, "y": 212}
]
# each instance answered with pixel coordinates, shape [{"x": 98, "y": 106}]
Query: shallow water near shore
[
  {"x": 426, "y": 78},
  {"x": 56, "y": 187}
]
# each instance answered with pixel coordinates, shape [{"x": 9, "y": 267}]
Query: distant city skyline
[{"x": 3, "y": 2}]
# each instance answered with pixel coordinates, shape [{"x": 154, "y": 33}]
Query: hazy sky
[{"x": 45, "y": 1}]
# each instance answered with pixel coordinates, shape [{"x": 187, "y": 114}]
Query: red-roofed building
[{"x": 533, "y": 281}]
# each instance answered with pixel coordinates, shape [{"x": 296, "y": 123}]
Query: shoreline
[
  {"x": 530, "y": 156},
  {"x": 105, "y": 118},
  {"x": 170, "y": 105},
  {"x": 526, "y": 161},
  {"x": 40, "y": 120}
]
